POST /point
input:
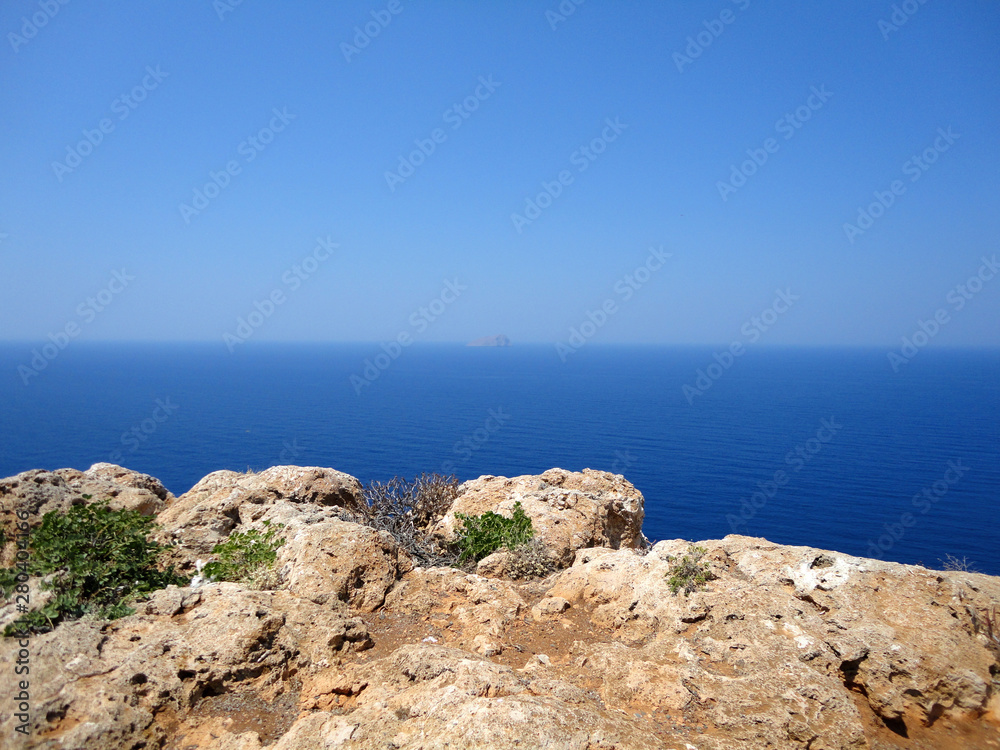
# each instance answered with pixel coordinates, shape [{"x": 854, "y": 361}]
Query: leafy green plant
[
  {"x": 99, "y": 561},
  {"x": 247, "y": 557},
  {"x": 689, "y": 573},
  {"x": 482, "y": 535},
  {"x": 8, "y": 580}
]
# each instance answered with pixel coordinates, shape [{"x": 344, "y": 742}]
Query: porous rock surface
[
  {"x": 37, "y": 492},
  {"x": 207, "y": 513},
  {"x": 788, "y": 647},
  {"x": 569, "y": 510}
]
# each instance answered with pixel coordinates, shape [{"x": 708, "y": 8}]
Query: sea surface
[{"x": 842, "y": 452}]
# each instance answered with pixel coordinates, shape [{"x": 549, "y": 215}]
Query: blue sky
[{"x": 210, "y": 78}]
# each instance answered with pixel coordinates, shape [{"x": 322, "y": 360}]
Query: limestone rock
[
  {"x": 569, "y": 510},
  {"x": 496, "y": 565},
  {"x": 477, "y": 606},
  {"x": 427, "y": 696},
  {"x": 788, "y": 648},
  {"x": 37, "y": 492},
  {"x": 335, "y": 559},
  {"x": 108, "y": 685},
  {"x": 550, "y": 606},
  {"x": 787, "y": 636},
  {"x": 207, "y": 513}
]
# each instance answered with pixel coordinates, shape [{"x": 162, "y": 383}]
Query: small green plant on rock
[
  {"x": 97, "y": 561},
  {"x": 689, "y": 573},
  {"x": 8, "y": 581},
  {"x": 482, "y": 535},
  {"x": 248, "y": 557}
]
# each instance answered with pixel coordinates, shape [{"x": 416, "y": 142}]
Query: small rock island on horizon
[{"x": 498, "y": 340}]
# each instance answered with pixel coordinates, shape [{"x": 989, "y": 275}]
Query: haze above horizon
[{"x": 681, "y": 173}]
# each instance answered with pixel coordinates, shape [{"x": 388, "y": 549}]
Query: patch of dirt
[
  {"x": 524, "y": 638},
  {"x": 235, "y": 713},
  {"x": 945, "y": 734}
]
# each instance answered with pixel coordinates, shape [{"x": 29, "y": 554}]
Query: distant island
[{"x": 498, "y": 340}]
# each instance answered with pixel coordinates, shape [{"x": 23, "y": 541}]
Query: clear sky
[{"x": 833, "y": 100}]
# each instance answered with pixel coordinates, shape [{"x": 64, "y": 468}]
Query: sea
[{"x": 829, "y": 447}]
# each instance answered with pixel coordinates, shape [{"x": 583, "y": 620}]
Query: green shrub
[
  {"x": 248, "y": 557},
  {"x": 99, "y": 561},
  {"x": 8, "y": 580},
  {"x": 482, "y": 535},
  {"x": 689, "y": 573}
]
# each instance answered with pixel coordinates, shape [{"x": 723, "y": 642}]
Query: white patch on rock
[{"x": 808, "y": 578}]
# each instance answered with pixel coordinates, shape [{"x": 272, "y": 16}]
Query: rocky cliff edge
[{"x": 786, "y": 647}]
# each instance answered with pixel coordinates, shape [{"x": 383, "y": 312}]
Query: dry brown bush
[{"x": 407, "y": 509}]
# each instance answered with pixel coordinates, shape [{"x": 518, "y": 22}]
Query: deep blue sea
[{"x": 842, "y": 452}]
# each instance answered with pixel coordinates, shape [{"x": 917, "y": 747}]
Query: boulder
[
  {"x": 550, "y": 606},
  {"x": 335, "y": 559},
  {"x": 792, "y": 643},
  {"x": 117, "y": 684},
  {"x": 207, "y": 513},
  {"x": 38, "y": 492},
  {"x": 568, "y": 510}
]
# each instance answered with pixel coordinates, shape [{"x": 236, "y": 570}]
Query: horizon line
[{"x": 465, "y": 344}]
